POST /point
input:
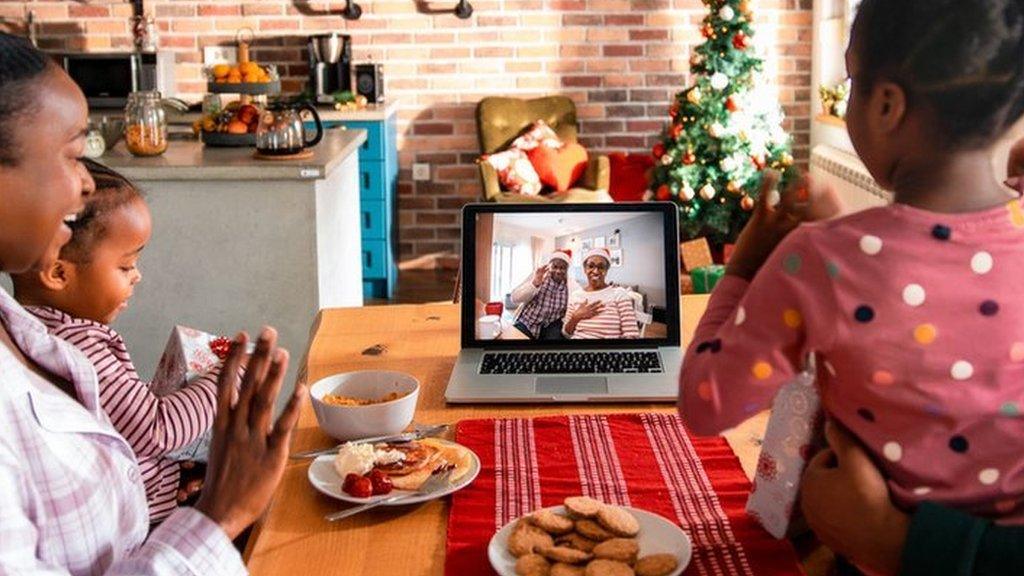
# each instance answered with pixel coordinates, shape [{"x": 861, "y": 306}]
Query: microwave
[{"x": 107, "y": 78}]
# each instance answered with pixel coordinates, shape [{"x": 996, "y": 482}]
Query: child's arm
[
  {"x": 153, "y": 425},
  {"x": 754, "y": 337}
]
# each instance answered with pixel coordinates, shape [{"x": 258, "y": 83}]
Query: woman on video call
[{"x": 600, "y": 310}]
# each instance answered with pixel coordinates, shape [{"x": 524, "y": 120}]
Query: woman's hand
[
  {"x": 846, "y": 502},
  {"x": 587, "y": 310},
  {"x": 248, "y": 451},
  {"x": 539, "y": 275},
  {"x": 776, "y": 216}
]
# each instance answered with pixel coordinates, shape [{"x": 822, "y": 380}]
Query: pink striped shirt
[
  {"x": 616, "y": 320},
  {"x": 153, "y": 425},
  {"x": 71, "y": 497}
]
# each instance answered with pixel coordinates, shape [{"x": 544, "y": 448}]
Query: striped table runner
[{"x": 646, "y": 461}]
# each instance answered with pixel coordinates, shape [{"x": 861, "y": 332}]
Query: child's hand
[
  {"x": 776, "y": 216},
  {"x": 846, "y": 502}
]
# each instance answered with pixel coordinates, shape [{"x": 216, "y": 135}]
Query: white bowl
[{"x": 354, "y": 422}]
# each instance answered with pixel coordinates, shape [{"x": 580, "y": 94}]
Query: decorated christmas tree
[{"x": 726, "y": 130}]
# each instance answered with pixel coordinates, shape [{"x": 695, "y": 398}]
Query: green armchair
[{"x": 500, "y": 120}]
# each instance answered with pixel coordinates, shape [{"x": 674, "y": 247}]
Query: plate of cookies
[{"x": 586, "y": 537}]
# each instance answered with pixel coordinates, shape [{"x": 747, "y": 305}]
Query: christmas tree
[{"x": 726, "y": 130}]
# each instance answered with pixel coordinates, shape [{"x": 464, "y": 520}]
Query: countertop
[
  {"x": 187, "y": 160},
  {"x": 372, "y": 112}
]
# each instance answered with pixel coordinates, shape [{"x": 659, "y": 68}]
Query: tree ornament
[
  {"x": 731, "y": 105},
  {"x": 689, "y": 158},
  {"x": 786, "y": 159},
  {"x": 719, "y": 81},
  {"x": 759, "y": 161},
  {"x": 716, "y": 130},
  {"x": 728, "y": 164},
  {"x": 694, "y": 96},
  {"x": 663, "y": 193},
  {"x": 658, "y": 151},
  {"x": 707, "y": 30},
  {"x": 666, "y": 160},
  {"x": 734, "y": 187},
  {"x": 707, "y": 192},
  {"x": 727, "y": 13},
  {"x": 696, "y": 59},
  {"x": 673, "y": 110},
  {"x": 740, "y": 41},
  {"x": 747, "y": 203},
  {"x": 675, "y": 131},
  {"x": 687, "y": 192},
  {"x": 745, "y": 7}
]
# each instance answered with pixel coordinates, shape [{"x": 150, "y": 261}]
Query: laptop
[{"x": 569, "y": 303}]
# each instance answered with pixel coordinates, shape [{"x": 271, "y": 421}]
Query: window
[{"x": 510, "y": 265}]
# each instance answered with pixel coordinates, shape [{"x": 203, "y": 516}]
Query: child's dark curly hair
[
  {"x": 961, "y": 59},
  {"x": 112, "y": 192}
]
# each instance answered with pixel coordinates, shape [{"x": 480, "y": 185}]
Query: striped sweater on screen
[
  {"x": 616, "y": 320},
  {"x": 153, "y": 425}
]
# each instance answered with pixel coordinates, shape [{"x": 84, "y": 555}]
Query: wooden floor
[{"x": 421, "y": 286}]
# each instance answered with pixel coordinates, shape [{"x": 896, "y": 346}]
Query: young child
[
  {"x": 913, "y": 310},
  {"x": 79, "y": 293}
]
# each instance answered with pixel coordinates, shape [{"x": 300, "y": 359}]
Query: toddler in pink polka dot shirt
[{"x": 913, "y": 310}]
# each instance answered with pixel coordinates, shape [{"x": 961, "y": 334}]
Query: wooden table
[{"x": 422, "y": 340}]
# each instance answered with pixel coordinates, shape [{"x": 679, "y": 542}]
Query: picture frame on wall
[
  {"x": 586, "y": 244},
  {"x": 615, "y": 240},
  {"x": 599, "y": 242},
  {"x": 616, "y": 258}
]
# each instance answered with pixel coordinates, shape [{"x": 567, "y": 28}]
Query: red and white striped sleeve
[
  {"x": 627, "y": 319},
  {"x": 153, "y": 425}
]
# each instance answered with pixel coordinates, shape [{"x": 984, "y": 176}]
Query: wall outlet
[
  {"x": 421, "y": 172},
  {"x": 220, "y": 55}
]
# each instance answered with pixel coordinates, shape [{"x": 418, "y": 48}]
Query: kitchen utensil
[{"x": 417, "y": 433}]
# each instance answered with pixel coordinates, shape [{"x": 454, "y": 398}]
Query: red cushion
[
  {"x": 559, "y": 168},
  {"x": 629, "y": 180}
]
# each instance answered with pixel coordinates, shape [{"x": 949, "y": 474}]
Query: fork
[{"x": 438, "y": 482}]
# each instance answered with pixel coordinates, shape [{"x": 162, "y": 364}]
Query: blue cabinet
[{"x": 378, "y": 199}]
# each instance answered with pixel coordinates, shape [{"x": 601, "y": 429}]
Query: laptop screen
[{"x": 564, "y": 276}]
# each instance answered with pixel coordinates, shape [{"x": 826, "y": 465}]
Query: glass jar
[{"x": 145, "y": 124}]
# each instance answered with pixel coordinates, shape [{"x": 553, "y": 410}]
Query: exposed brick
[{"x": 220, "y": 10}]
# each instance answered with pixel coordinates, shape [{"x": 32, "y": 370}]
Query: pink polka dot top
[{"x": 917, "y": 319}]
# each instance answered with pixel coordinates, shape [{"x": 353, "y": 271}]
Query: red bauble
[
  {"x": 707, "y": 30},
  {"x": 740, "y": 41},
  {"x": 689, "y": 158},
  {"x": 731, "y": 105},
  {"x": 675, "y": 131},
  {"x": 658, "y": 151},
  {"x": 673, "y": 110},
  {"x": 663, "y": 193},
  {"x": 758, "y": 161}
]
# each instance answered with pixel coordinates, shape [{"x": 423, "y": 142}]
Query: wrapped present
[
  {"x": 695, "y": 254},
  {"x": 793, "y": 436},
  {"x": 706, "y": 278},
  {"x": 685, "y": 284},
  {"x": 190, "y": 354}
]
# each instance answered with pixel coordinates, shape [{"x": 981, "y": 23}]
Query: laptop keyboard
[{"x": 639, "y": 362}]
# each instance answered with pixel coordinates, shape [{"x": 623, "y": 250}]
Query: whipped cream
[
  {"x": 385, "y": 457},
  {"x": 354, "y": 459}
]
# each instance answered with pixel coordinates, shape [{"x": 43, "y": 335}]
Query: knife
[{"x": 417, "y": 434}]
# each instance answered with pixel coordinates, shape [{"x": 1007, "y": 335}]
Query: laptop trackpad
[{"x": 572, "y": 385}]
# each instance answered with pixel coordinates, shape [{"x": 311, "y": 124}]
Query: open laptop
[{"x": 518, "y": 350}]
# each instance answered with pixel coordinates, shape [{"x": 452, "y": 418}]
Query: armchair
[{"x": 500, "y": 120}]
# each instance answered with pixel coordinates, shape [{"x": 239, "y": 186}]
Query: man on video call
[{"x": 541, "y": 299}]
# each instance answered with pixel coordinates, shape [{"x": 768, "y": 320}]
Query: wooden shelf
[{"x": 830, "y": 120}]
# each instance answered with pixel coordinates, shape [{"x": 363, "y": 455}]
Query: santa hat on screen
[
  {"x": 563, "y": 255},
  {"x": 602, "y": 252}
]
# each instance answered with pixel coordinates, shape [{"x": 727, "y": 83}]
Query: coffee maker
[{"x": 330, "y": 65}]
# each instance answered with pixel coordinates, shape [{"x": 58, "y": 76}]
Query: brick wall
[{"x": 620, "y": 60}]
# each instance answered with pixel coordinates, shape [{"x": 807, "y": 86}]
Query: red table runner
[{"x": 646, "y": 461}]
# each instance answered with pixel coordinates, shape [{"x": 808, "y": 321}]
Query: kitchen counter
[
  {"x": 191, "y": 160},
  {"x": 372, "y": 112}
]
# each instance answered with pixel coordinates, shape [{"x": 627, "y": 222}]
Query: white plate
[
  {"x": 657, "y": 536},
  {"x": 325, "y": 479}
]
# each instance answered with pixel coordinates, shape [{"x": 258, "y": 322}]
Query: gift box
[
  {"x": 706, "y": 278},
  {"x": 695, "y": 254},
  {"x": 793, "y": 436},
  {"x": 190, "y": 354}
]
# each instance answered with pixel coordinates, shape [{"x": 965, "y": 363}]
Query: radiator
[{"x": 850, "y": 178}]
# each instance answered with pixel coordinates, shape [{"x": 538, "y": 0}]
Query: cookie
[
  {"x": 618, "y": 521},
  {"x": 591, "y": 529},
  {"x": 533, "y": 565},
  {"x": 608, "y": 568},
  {"x": 620, "y": 549},
  {"x": 565, "y": 554},
  {"x": 551, "y": 523},
  {"x": 656, "y": 565},
  {"x": 527, "y": 538},
  {"x": 577, "y": 541},
  {"x": 562, "y": 569},
  {"x": 583, "y": 506}
]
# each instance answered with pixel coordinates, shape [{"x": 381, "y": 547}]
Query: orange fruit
[
  {"x": 221, "y": 71},
  {"x": 237, "y": 127},
  {"x": 249, "y": 68}
]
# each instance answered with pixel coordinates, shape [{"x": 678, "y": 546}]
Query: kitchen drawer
[
  {"x": 375, "y": 258},
  {"x": 373, "y": 220},
  {"x": 371, "y": 181},
  {"x": 374, "y": 147}
]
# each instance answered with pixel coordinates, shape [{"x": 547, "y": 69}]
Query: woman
[
  {"x": 71, "y": 497},
  {"x": 600, "y": 310},
  {"x": 542, "y": 298}
]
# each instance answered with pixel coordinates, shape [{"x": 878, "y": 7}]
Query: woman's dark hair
[
  {"x": 112, "y": 192},
  {"x": 21, "y": 63},
  {"x": 962, "y": 59}
]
